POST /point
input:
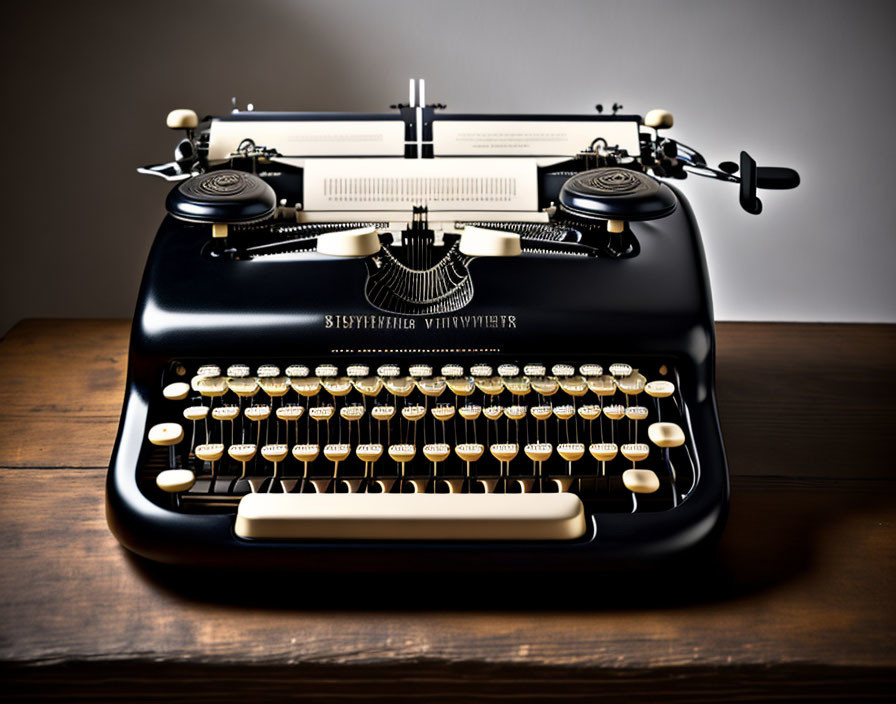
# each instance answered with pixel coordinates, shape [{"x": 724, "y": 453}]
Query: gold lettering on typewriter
[{"x": 446, "y": 322}]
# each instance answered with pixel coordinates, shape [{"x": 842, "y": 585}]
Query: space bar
[{"x": 411, "y": 516}]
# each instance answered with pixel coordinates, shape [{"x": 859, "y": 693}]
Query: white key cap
[
  {"x": 659, "y": 389},
  {"x": 571, "y": 451},
  {"x": 620, "y": 370},
  {"x": 212, "y": 386},
  {"x": 603, "y": 451},
  {"x": 209, "y": 453},
  {"x": 399, "y": 386},
  {"x": 591, "y": 370},
  {"x": 480, "y": 370},
  {"x": 422, "y": 516},
  {"x": 297, "y": 371},
  {"x": 506, "y": 370},
  {"x": 306, "y": 453},
  {"x": 614, "y": 412},
  {"x": 665, "y": 434},
  {"x": 413, "y": 413},
  {"x": 175, "y": 481},
  {"x": 306, "y": 387},
  {"x": 208, "y": 370},
  {"x": 325, "y": 371},
  {"x": 337, "y": 452},
  {"x": 491, "y": 386},
  {"x": 369, "y": 386},
  {"x": 443, "y": 413},
  {"x": 388, "y": 370},
  {"x": 546, "y": 386},
  {"x": 635, "y": 451},
  {"x": 243, "y": 452},
  {"x": 515, "y": 412},
  {"x": 493, "y": 412},
  {"x": 589, "y": 411},
  {"x": 633, "y": 384},
  {"x": 165, "y": 434},
  {"x": 274, "y": 386},
  {"x": 541, "y": 412},
  {"x": 225, "y": 412},
  {"x": 290, "y": 412},
  {"x": 242, "y": 386},
  {"x": 470, "y": 411},
  {"x": 640, "y": 481},
  {"x": 402, "y": 453},
  {"x": 267, "y": 371},
  {"x": 539, "y": 451},
  {"x": 258, "y": 413},
  {"x": 177, "y": 391},
  {"x": 602, "y": 385},
  {"x": 452, "y": 370},
  {"x": 432, "y": 387},
  {"x": 320, "y": 413},
  {"x": 195, "y": 412},
  {"x": 351, "y": 412},
  {"x": 357, "y": 370},
  {"x": 382, "y": 412},
  {"x": 274, "y": 453},
  {"x": 436, "y": 452},
  {"x": 340, "y": 386},
  {"x": 636, "y": 412},
  {"x": 518, "y": 386},
  {"x": 469, "y": 451},
  {"x": 238, "y": 370},
  {"x": 563, "y": 370},
  {"x": 370, "y": 452},
  {"x": 420, "y": 370},
  {"x": 461, "y": 386},
  {"x": 564, "y": 412},
  {"x": 534, "y": 370},
  {"x": 504, "y": 452},
  {"x": 574, "y": 385}
]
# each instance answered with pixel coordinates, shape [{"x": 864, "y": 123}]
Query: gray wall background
[{"x": 805, "y": 84}]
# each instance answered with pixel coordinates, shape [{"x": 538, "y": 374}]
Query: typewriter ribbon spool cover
[{"x": 471, "y": 342}]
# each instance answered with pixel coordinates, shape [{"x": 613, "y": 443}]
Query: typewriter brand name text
[{"x": 392, "y": 322}]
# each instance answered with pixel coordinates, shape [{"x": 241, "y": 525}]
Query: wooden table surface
[{"x": 798, "y": 603}]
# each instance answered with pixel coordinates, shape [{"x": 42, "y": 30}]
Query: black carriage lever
[{"x": 753, "y": 177}]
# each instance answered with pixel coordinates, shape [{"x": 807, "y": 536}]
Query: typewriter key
[{"x": 176, "y": 392}]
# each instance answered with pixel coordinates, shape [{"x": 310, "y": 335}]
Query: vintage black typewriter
[{"x": 424, "y": 341}]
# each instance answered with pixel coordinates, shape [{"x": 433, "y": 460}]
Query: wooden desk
[{"x": 798, "y": 603}]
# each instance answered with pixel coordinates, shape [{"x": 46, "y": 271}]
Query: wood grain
[{"x": 796, "y": 604}]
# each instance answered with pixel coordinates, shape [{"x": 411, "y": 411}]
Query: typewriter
[{"x": 425, "y": 341}]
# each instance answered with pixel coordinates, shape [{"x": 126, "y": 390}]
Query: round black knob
[
  {"x": 615, "y": 193},
  {"x": 226, "y": 196}
]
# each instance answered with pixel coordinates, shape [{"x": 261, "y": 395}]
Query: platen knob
[
  {"x": 481, "y": 242},
  {"x": 659, "y": 119},
  {"x": 361, "y": 242},
  {"x": 182, "y": 119}
]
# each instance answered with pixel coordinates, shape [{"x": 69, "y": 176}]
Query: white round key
[
  {"x": 399, "y": 386},
  {"x": 589, "y": 411},
  {"x": 539, "y": 451},
  {"x": 633, "y": 384},
  {"x": 541, "y": 412},
  {"x": 546, "y": 386},
  {"x": 337, "y": 452},
  {"x": 211, "y": 386},
  {"x": 195, "y": 412},
  {"x": 635, "y": 451},
  {"x": 208, "y": 370},
  {"x": 243, "y": 386},
  {"x": 469, "y": 451},
  {"x": 306, "y": 453},
  {"x": 257, "y": 413},
  {"x": 370, "y": 452},
  {"x": 165, "y": 434},
  {"x": 480, "y": 370},
  {"x": 493, "y": 412},
  {"x": 665, "y": 434},
  {"x": 614, "y": 412},
  {"x": 508, "y": 370},
  {"x": 297, "y": 371},
  {"x": 636, "y": 412},
  {"x": 534, "y": 370},
  {"x": 574, "y": 385},
  {"x": 603, "y": 451},
  {"x": 382, "y": 412},
  {"x": 339, "y": 386},
  {"x": 432, "y": 387},
  {"x": 481, "y": 242},
  {"x": 413, "y": 413},
  {"x": 359, "y": 242},
  {"x": 563, "y": 370},
  {"x": 518, "y": 385},
  {"x": 602, "y": 385},
  {"x": 620, "y": 370},
  {"x": 504, "y": 451},
  {"x": 492, "y": 386},
  {"x": 175, "y": 481},
  {"x": 402, "y": 453},
  {"x": 357, "y": 370},
  {"x": 640, "y": 481},
  {"x": 470, "y": 411},
  {"x": 274, "y": 386},
  {"x": 452, "y": 370},
  {"x": 225, "y": 412},
  {"x": 659, "y": 389},
  {"x": 564, "y": 412},
  {"x": 177, "y": 391},
  {"x": 209, "y": 453},
  {"x": 326, "y": 371},
  {"x": 321, "y": 413},
  {"x": 351, "y": 412},
  {"x": 243, "y": 452},
  {"x": 436, "y": 452},
  {"x": 571, "y": 451},
  {"x": 268, "y": 371},
  {"x": 274, "y": 453},
  {"x": 369, "y": 385},
  {"x": 461, "y": 386},
  {"x": 515, "y": 412},
  {"x": 238, "y": 370},
  {"x": 388, "y": 370},
  {"x": 420, "y": 370},
  {"x": 591, "y": 370},
  {"x": 305, "y": 386},
  {"x": 443, "y": 413},
  {"x": 290, "y": 412}
]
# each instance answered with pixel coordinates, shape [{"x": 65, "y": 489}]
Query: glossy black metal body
[{"x": 654, "y": 305}]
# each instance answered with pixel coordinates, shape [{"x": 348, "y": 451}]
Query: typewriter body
[{"x": 424, "y": 341}]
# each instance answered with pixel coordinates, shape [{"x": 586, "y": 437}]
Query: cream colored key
[
  {"x": 238, "y": 370},
  {"x": 574, "y": 385},
  {"x": 337, "y": 386},
  {"x": 225, "y": 412},
  {"x": 640, "y": 481},
  {"x": 402, "y": 453},
  {"x": 589, "y": 411},
  {"x": 196, "y": 412},
  {"x": 636, "y": 412},
  {"x": 275, "y": 454},
  {"x": 242, "y": 386},
  {"x": 399, "y": 385},
  {"x": 177, "y": 391},
  {"x": 211, "y": 452},
  {"x": 370, "y": 452},
  {"x": 175, "y": 481},
  {"x": 357, "y": 371},
  {"x": 633, "y": 384},
  {"x": 492, "y": 386},
  {"x": 469, "y": 451},
  {"x": 166, "y": 434},
  {"x": 257, "y": 413},
  {"x": 507, "y": 370},
  {"x": 306, "y": 453},
  {"x": 296, "y": 371},
  {"x": 515, "y": 412},
  {"x": 305, "y": 386},
  {"x": 504, "y": 452},
  {"x": 369, "y": 386},
  {"x": 320, "y": 413},
  {"x": 615, "y": 412},
  {"x": 432, "y": 387},
  {"x": 603, "y": 451},
  {"x": 208, "y": 370},
  {"x": 518, "y": 386},
  {"x": 480, "y": 370},
  {"x": 461, "y": 386},
  {"x": 413, "y": 413},
  {"x": 563, "y": 370},
  {"x": 337, "y": 452},
  {"x": 382, "y": 412},
  {"x": 665, "y": 434},
  {"x": 443, "y": 412},
  {"x": 470, "y": 411},
  {"x": 571, "y": 451},
  {"x": 352, "y": 412},
  {"x": 493, "y": 412},
  {"x": 591, "y": 370},
  {"x": 268, "y": 371},
  {"x": 539, "y": 451},
  {"x": 420, "y": 370},
  {"x": 242, "y": 453},
  {"x": 541, "y": 412},
  {"x": 274, "y": 386},
  {"x": 546, "y": 386},
  {"x": 635, "y": 451},
  {"x": 212, "y": 386},
  {"x": 452, "y": 370},
  {"x": 602, "y": 385},
  {"x": 620, "y": 370},
  {"x": 388, "y": 371},
  {"x": 531, "y": 370},
  {"x": 659, "y": 389},
  {"x": 290, "y": 412},
  {"x": 564, "y": 412},
  {"x": 436, "y": 452},
  {"x": 326, "y": 371}
]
